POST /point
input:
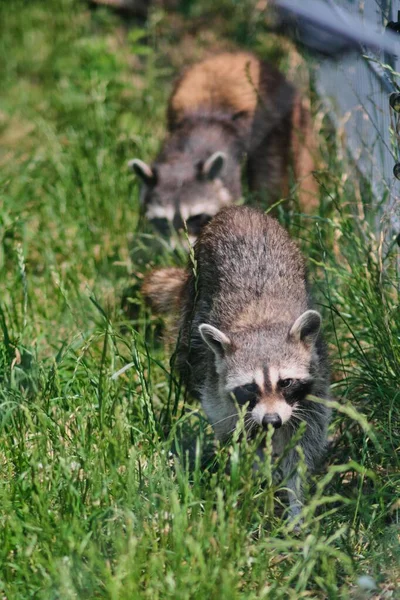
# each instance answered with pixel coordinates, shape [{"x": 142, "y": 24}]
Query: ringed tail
[{"x": 163, "y": 289}]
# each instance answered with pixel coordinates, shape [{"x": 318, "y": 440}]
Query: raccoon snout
[{"x": 272, "y": 419}]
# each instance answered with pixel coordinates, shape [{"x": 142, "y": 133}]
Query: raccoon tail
[{"x": 163, "y": 289}]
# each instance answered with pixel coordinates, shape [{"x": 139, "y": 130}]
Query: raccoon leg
[
  {"x": 289, "y": 149},
  {"x": 267, "y": 165},
  {"x": 293, "y": 486},
  {"x": 303, "y": 146},
  {"x": 295, "y": 496}
]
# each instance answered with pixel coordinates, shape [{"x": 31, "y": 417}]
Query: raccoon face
[
  {"x": 268, "y": 371},
  {"x": 181, "y": 197}
]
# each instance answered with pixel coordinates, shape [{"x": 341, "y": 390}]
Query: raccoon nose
[{"x": 271, "y": 419}]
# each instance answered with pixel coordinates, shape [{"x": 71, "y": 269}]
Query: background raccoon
[
  {"x": 247, "y": 331},
  {"x": 224, "y": 110}
]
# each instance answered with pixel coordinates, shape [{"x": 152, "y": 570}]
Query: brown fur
[
  {"x": 226, "y": 81},
  {"x": 276, "y": 120},
  {"x": 304, "y": 152}
]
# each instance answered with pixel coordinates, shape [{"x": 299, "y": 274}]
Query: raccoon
[
  {"x": 248, "y": 335},
  {"x": 225, "y": 111}
]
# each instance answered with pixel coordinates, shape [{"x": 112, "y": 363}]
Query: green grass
[{"x": 107, "y": 489}]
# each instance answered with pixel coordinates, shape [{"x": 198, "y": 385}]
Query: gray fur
[
  {"x": 251, "y": 289},
  {"x": 197, "y": 172}
]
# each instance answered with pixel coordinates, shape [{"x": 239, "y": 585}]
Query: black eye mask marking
[
  {"x": 246, "y": 394},
  {"x": 162, "y": 225},
  {"x": 195, "y": 223},
  {"x": 285, "y": 383},
  {"x": 295, "y": 390}
]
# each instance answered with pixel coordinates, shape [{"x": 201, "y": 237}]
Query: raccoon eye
[
  {"x": 285, "y": 383},
  {"x": 246, "y": 394},
  {"x": 162, "y": 225},
  {"x": 297, "y": 390}
]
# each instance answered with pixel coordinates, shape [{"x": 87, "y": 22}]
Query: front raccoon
[
  {"x": 225, "y": 110},
  {"x": 248, "y": 333}
]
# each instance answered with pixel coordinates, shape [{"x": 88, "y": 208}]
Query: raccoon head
[
  {"x": 269, "y": 370},
  {"x": 179, "y": 196}
]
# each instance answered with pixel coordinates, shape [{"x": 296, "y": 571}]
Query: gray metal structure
[
  {"x": 358, "y": 89},
  {"x": 357, "y": 85}
]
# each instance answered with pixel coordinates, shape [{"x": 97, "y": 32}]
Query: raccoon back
[
  {"x": 249, "y": 270},
  {"x": 237, "y": 85},
  {"x": 249, "y": 275}
]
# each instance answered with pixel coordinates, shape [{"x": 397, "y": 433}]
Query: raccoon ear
[
  {"x": 217, "y": 341},
  {"x": 214, "y": 165},
  {"x": 143, "y": 171},
  {"x": 306, "y": 328}
]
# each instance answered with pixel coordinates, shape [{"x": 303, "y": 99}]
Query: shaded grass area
[{"x": 97, "y": 499}]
